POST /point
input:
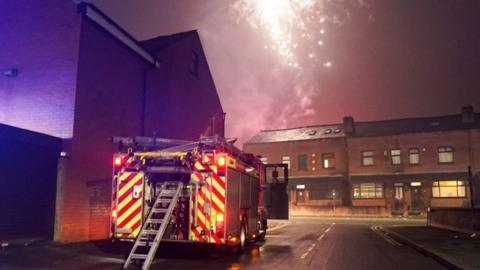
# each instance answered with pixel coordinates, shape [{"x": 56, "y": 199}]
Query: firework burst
[{"x": 295, "y": 29}]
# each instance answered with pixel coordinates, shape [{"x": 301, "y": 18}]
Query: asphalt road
[{"x": 302, "y": 243}]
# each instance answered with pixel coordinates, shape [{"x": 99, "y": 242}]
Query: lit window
[
  {"x": 413, "y": 156},
  {"x": 395, "y": 155},
  {"x": 416, "y": 184},
  {"x": 368, "y": 190},
  {"x": 367, "y": 158},
  {"x": 286, "y": 160},
  {"x": 302, "y": 162},
  {"x": 445, "y": 154},
  {"x": 328, "y": 160},
  {"x": 448, "y": 189}
]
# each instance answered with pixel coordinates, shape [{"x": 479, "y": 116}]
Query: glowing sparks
[{"x": 291, "y": 26}]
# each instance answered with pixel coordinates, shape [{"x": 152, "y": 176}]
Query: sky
[{"x": 289, "y": 63}]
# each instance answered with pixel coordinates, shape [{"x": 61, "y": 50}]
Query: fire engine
[{"x": 206, "y": 191}]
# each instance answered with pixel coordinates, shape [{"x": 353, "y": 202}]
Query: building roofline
[
  {"x": 369, "y": 122},
  {"x": 411, "y": 118},
  {"x": 309, "y": 126},
  {"x": 180, "y": 35},
  {"x": 449, "y": 122},
  {"x": 96, "y": 15}
]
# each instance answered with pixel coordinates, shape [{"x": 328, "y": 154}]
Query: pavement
[
  {"x": 455, "y": 250},
  {"x": 300, "y": 243}
]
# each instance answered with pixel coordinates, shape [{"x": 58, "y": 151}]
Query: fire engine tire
[{"x": 243, "y": 238}]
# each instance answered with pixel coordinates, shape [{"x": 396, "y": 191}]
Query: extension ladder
[{"x": 157, "y": 221}]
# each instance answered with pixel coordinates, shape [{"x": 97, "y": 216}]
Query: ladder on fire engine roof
[
  {"x": 165, "y": 145},
  {"x": 145, "y": 245}
]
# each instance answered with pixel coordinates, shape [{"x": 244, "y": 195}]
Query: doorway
[
  {"x": 399, "y": 200},
  {"x": 418, "y": 198}
]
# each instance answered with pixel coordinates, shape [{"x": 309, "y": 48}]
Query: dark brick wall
[
  {"x": 180, "y": 104},
  {"x": 28, "y": 163},
  {"x": 109, "y": 102},
  {"x": 428, "y": 144},
  {"x": 466, "y": 145},
  {"x": 40, "y": 39},
  {"x": 312, "y": 148}
]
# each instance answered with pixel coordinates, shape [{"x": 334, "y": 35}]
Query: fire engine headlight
[{"x": 220, "y": 217}]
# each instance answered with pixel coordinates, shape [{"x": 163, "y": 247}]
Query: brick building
[
  {"x": 71, "y": 72},
  {"x": 400, "y": 166}
]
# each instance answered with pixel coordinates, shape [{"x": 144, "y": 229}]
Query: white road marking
[
  {"x": 276, "y": 236},
  {"x": 276, "y": 228},
  {"x": 321, "y": 237},
  {"x": 308, "y": 251},
  {"x": 327, "y": 230}
]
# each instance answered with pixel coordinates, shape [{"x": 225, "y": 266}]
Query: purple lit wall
[
  {"x": 109, "y": 103},
  {"x": 40, "y": 39},
  {"x": 180, "y": 103}
]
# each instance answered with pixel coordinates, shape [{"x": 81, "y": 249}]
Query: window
[
  {"x": 323, "y": 191},
  {"x": 445, "y": 154},
  {"x": 448, "y": 189},
  {"x": 286, "y": 160},
  {"x": 368, "y": 190},
  {"x": 398, "y": 191},
  {"x": 395, "y": 156},
  {"x": 367, "y": 158},
  {"x": 264, "y": 160},
  {"x": 413, "y": 156},
  {"x": 302, "y": 162},
  {"x": 194, "y": 64},
  {"x": 328, "y": 160}
]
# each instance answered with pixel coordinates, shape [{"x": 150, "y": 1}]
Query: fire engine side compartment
[{"x": 242, "y": 199}]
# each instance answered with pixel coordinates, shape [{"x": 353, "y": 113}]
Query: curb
[
  {"x": 23, "y": 243},
  {"x": 423, "y": 250}
]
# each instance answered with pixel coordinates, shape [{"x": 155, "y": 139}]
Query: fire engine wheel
[{"x": 243, "y": 238}]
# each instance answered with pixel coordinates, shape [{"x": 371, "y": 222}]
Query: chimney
[
  {"x": 348, "y": 125},
  {"x": 468, "y": 117}
]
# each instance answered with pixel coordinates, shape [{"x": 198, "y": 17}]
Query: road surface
[{"x": 302, "y": 243}]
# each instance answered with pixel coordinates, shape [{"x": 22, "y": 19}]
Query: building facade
[
  {"x": 71, "y": 72},
  {"x": 391, "y": 167}
]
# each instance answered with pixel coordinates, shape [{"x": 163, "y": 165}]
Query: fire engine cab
[{"x": 206, "y": 191}]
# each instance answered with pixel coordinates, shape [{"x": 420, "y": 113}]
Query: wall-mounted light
[{"x": 10, "y": 73}]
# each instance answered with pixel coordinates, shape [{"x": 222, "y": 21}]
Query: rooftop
[
  {"x": 370, "y": 128},
  {"x": 298, "y": 134},
  {"x": 161, "y": 42}
]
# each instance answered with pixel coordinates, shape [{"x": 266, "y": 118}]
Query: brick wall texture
[{"x": 40, "y": 39}]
